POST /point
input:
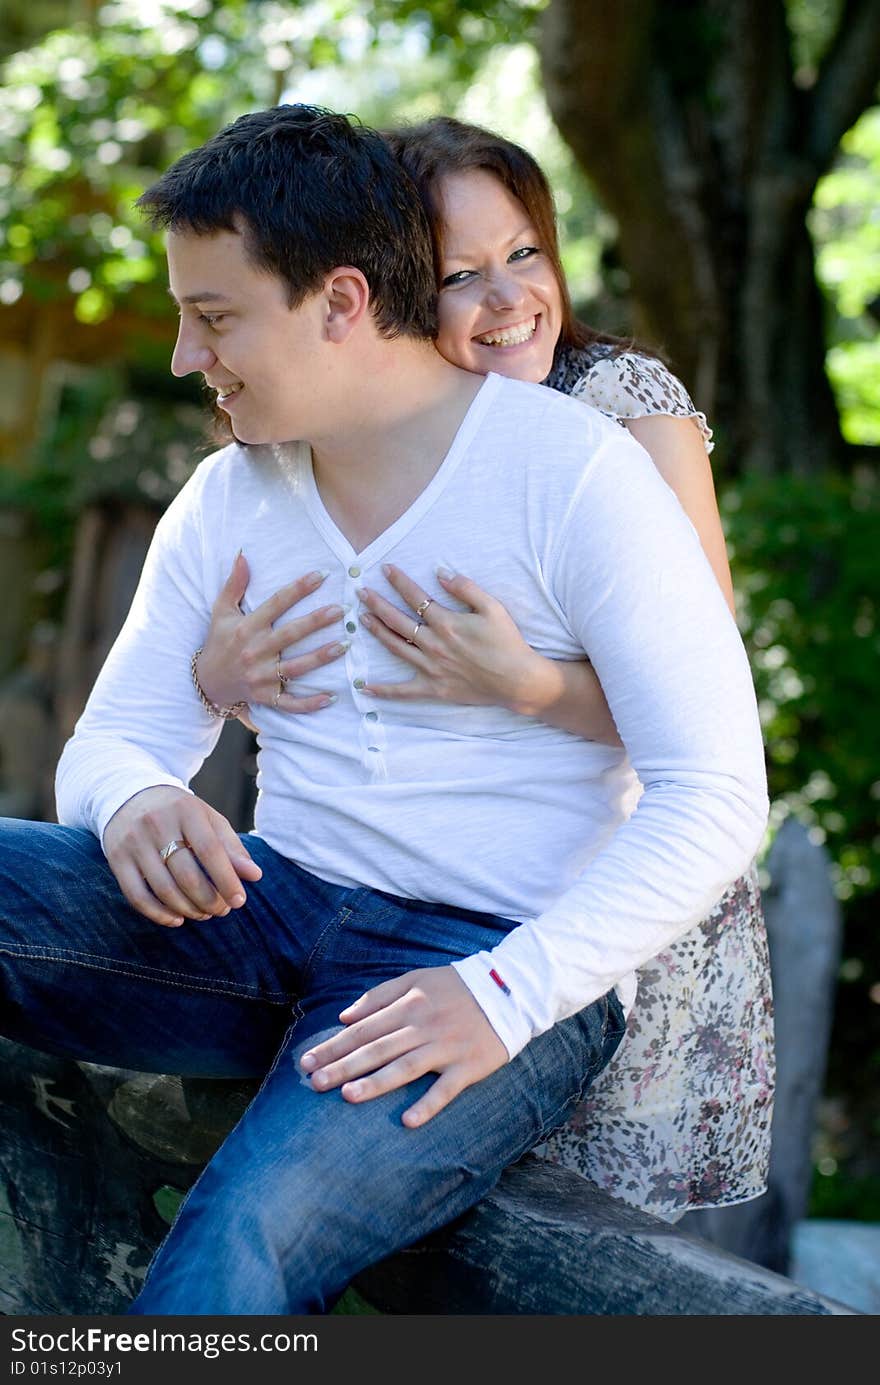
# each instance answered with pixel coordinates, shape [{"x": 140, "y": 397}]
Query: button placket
[
  {"x": 356, "y": 658},
  {"x": 374, "y": 744},
  {"x": 372, "y": 739}
]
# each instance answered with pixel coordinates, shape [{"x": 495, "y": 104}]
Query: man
[{"x": 450, "y": 901}]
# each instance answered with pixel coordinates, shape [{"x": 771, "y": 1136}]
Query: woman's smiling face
[{"x": 499, "y": 306}]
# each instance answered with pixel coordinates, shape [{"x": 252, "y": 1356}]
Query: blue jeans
[{"x": 308, "y": 1189}]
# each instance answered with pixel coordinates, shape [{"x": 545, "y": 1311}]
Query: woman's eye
[
  {"x": 211, "y": 318},
  {"x": 460, "y": 276},
  {"x": 525, "y": 252}
]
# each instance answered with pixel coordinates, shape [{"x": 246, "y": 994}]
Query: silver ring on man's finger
[
  {"x": 416, "y": 628},
  {"x": 168, "y": 851}
]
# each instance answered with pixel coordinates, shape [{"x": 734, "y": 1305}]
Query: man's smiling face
[{"x": 261, "y": 357}]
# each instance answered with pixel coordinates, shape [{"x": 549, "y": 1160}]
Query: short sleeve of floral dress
[{"x": 680, "y": 1118}]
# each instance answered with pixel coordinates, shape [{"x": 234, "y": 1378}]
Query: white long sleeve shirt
[{"x": 602, "y": 856}]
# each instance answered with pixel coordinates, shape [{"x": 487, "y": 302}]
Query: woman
[{"x": 681, "y": 1117}]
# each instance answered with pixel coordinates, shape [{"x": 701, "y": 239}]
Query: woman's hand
[
  {"x": 479, "y": 658},
  {"x": 473, "y": 658},
  {"x": 200, "y": 878},
  {"x": 239, "y": 661}
]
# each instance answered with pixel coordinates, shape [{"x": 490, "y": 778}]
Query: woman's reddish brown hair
[{"x": 433, "y": 149}]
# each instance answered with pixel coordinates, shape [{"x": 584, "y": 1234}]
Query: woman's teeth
[{"x": 510, "y": 336}]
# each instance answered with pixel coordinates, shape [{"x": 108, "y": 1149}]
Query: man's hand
[
  {"x": 200, "y": 880},
  {"x": 423, "y": 1021}
]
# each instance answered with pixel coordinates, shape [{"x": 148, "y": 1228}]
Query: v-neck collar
[{"x": 385, "y": 541}]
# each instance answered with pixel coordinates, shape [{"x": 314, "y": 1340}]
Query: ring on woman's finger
[
  {"x": 282, "y": 681},
  {"x": 416, "y": 628},
  {"x": 168, "y": 851},
  {"x": 423, "y": 606}
]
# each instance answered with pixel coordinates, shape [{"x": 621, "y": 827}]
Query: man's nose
[
  {"x": 190, "y": 353},
  {"x": 505, "y": 291}
]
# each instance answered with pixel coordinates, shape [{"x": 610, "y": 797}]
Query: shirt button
[
  {"x": 359, "y": 683},
  {"x": 372, "y": 716},
  {"x": 350, "y": 627},
  {"x": 374, "y": 748},
  {"x": 354, "y": 571}
]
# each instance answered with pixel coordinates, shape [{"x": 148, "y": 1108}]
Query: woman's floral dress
[{"x": 680, "y": 1118}]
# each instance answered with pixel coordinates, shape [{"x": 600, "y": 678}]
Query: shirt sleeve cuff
[
  {"x": 111, "y": 805},
  {"x": 496, "y": 1000}
]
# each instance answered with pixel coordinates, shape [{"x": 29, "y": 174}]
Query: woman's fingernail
[
  {"x": 328, "y": 700},
  {"x": 387, "y": 569},
  {"x": 237, "y": 901},
  {"x": 366, "y": 620},
  {"x": 445, "y": 573},
  {"x": 307, "y": 1062},
  {"x": 318, "y": 575},
  {"x": 341, "y": 647}
]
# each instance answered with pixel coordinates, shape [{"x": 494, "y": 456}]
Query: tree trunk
[{"x": 688, "y": 120}]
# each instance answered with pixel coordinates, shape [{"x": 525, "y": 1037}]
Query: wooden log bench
[{"x": 95, "y": 1160}]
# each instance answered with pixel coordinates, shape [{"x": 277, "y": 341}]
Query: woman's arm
[
  {"x": 677, "y": 450},
  {"x": 679, "y": 454}
]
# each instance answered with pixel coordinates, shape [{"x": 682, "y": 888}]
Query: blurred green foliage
[
  {"x": 845, "y": 223},
  {"x": 844, "y": 1197},
  {"x": 805, "y": 557},
  {"x": 87, "y": 118},
  {"x": 92, "y": 113},
  {"x": 804, "y": 554}
]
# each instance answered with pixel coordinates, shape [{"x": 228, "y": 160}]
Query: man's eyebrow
[{"x": 206, "y": 297}]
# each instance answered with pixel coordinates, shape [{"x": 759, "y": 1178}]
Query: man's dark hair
[{"x": 310, "y": 190}]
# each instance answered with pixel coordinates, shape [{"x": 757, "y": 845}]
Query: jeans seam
[
  {"x": 181, "y": 980},
  {"x": 322, "y": 941}
]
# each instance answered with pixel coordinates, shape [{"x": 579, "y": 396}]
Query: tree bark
[{"x": 688, "y": 120}]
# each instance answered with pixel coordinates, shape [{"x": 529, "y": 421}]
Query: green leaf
[{"x": 166, "y": 1201}]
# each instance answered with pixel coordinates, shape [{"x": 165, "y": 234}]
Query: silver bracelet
[{"x": 226, "y": 712}]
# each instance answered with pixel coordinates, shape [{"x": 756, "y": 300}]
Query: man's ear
[{"x": 347, "y": 298}]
